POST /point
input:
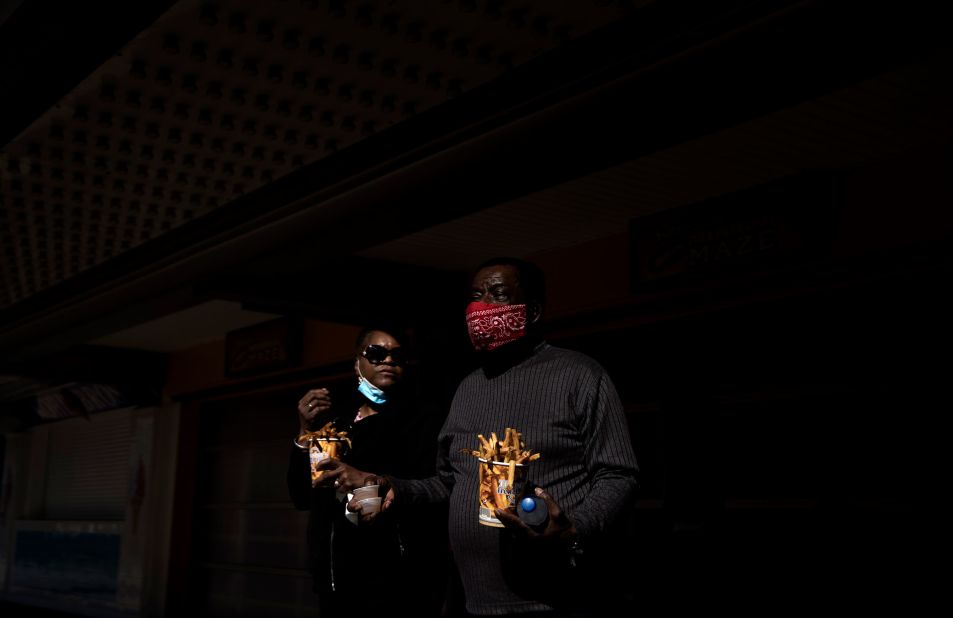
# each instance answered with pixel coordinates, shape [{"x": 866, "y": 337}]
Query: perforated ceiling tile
[{"x": 217, "y": 99}]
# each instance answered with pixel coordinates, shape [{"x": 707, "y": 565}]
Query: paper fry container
[
  {"x": 324, "y": 448},
  {"x": 500, "y": 484}
]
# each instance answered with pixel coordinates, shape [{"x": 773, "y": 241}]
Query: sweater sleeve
[
  {"x": 431, "y": 490},
  {"x": 610, "y": 460}
]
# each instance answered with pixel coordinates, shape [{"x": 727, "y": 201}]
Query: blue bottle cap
[{"x": 533, "y": 512}]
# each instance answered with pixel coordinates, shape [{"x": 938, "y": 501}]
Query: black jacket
[{"x": 401, "y": 560}]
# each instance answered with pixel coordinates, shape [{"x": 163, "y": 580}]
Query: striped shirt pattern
[{"x": 567, "y": 409}]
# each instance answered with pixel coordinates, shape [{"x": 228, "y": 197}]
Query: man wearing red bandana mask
[
  {"x": 492, "y": 326},
  {"x": 498, "y": 313},
  {"x": 568, "y": 410}
]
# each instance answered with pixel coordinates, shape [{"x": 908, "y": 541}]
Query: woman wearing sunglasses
[{"x": 359, "y": 568}]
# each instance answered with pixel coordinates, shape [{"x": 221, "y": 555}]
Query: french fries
[
  {"x": 510, "y": 450},
  {"x": 499, "y": 474},
  {"x": 325, "y": 443}
]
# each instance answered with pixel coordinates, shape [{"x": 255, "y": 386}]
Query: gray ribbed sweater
[{"x": 566, "y": 407}]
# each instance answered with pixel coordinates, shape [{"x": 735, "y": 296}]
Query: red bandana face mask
[{"x": 492, "y": 326}]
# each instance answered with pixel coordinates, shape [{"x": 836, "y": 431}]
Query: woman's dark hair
[
  {"x": 397, "y": 331},
  {"x": 532, "y": 279}
]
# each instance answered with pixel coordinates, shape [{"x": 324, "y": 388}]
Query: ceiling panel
[
  {"x": 207, "y": 321},
  {"x": 881, "y": 117},
  {"x": 216, "y": 99}
]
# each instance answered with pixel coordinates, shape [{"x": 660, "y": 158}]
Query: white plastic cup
[
  {"x": 370, "y": 505},
  {"x": 368, "y": 491}
]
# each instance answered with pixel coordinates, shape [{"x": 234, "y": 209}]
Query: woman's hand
[
  {"x": 313, "y": 403},
  {"x": 345, "y": 477},
  {"x": 330, "y": 471}
]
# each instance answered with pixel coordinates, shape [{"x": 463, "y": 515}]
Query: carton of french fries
[
  {"x": 502, "y": 472},
  {"x": 325, "y": 443}
]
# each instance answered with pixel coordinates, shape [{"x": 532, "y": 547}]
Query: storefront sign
[
  {"x": 763, "y": 228},
  {"x": 263, "y": 347}
]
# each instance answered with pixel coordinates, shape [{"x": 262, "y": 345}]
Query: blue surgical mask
[{"x": 373, "y": 394}]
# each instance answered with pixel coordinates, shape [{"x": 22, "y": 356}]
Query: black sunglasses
[{"x": 377, "y": 354}]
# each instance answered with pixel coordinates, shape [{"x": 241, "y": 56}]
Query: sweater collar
[{"x": 503, "y": 359}]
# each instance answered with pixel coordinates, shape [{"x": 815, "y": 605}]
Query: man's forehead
[{"x": 503, "y": 273}]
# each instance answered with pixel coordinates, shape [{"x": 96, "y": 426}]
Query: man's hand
[
  {"x": 313, "y": 403},
  {"x": 386, "y": 503},
  {"x": 559, "y": 529}
]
